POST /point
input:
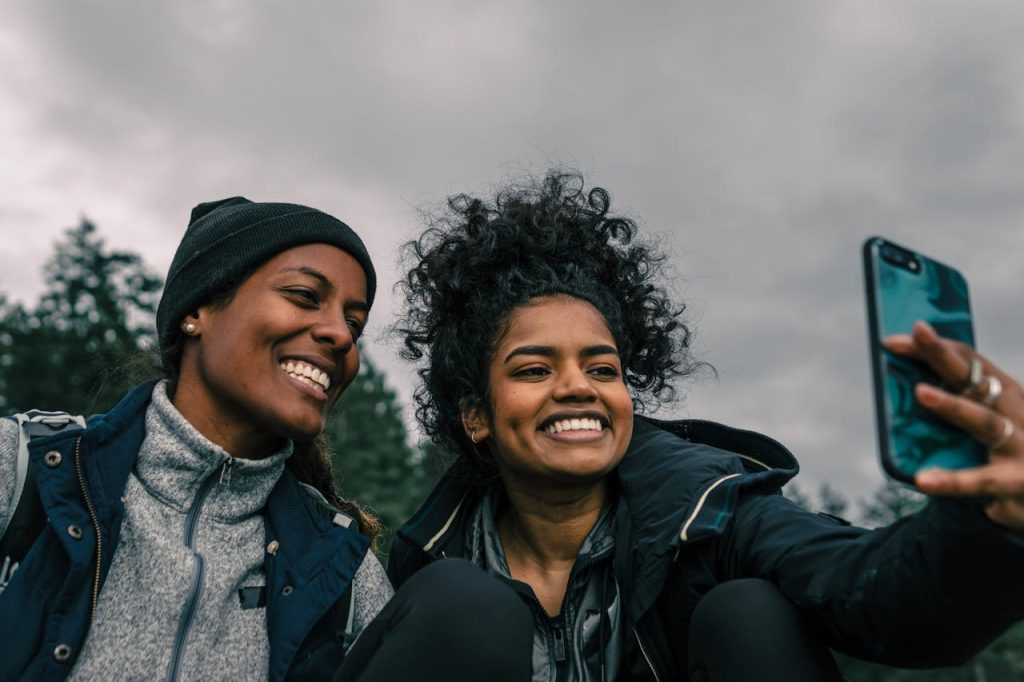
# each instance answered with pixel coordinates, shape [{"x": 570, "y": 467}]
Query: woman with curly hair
[{"x": 650, "y": 550}]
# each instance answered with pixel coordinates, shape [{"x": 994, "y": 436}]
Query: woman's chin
[
  {"x": 582, "y": 476},
  {"x": 303, "y": 430}
]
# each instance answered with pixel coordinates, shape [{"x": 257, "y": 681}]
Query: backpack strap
[
  {"x": 23, "y": 525},
  {"x": 344, "y": 613}
]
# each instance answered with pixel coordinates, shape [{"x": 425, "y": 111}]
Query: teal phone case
[{"x": 902, "y": 287}]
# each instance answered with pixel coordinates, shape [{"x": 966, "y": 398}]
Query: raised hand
[{"x": 988, "y": 404}]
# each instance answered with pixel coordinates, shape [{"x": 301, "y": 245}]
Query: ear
[
  {"x": 474, "y": 421},
  {"x": 190, "y": 325}
]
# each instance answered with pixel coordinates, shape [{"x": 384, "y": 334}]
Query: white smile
[
  {"x": 307, "y": 374},
  {"x": 584, "y": 424}
]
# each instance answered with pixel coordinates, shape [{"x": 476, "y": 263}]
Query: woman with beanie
[
  {"x": 663, "y": 551},
  {"x": 192, "y": 532}
]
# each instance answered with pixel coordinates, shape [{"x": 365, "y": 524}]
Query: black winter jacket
[{"x": 702, "y": 505}]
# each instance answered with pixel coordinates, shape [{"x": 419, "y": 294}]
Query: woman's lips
[{"x": 309, "y": 390}]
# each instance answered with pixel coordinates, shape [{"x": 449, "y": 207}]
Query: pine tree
[
  {"x": 95, "y": 315},
  {"x": 831, "y": 501},
  {"x": 891, "y": 502},
  {"x": 373, "y": 461}
]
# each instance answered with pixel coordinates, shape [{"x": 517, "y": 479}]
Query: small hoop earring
[
  {"x": 189, "y": 328},
  {"x": 472, "y": 435}
]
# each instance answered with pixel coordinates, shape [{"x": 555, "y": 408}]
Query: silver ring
[
  {"x": 993, "y": 389},
  {"x": 977, "y": 376},
  {"x": 1007, "y": 433}
]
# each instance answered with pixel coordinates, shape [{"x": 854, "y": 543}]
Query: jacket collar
[
  {"x": 661, "y": 455},
  {"x": 110, "y": 445},
  {"x": 679, "y": 481}
]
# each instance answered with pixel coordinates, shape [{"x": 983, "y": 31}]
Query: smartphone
[{"x": 903, "y": 286}]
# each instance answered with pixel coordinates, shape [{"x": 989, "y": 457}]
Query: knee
[
  {"x": 739, "y": 604},
  {"x": 449, "y": 621},
  {"x": 743, "y": 628},
  {"x": 457, "y": 594}
]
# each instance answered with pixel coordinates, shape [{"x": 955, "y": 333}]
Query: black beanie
[{"x": 230, "y": 238}]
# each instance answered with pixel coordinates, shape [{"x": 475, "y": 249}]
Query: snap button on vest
[
  {"x": 62, "y": 653},
  {"x": 52, "y": 458},
  {"x": 286, "y": 590},
  {"x": 75, "y": 532}
]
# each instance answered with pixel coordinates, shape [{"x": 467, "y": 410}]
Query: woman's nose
[
  {"x": 573, "y": 384},
  {"x": 334, "y": 330}
]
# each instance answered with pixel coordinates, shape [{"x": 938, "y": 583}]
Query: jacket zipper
[
  {"x": 96, "y": 527},
  {"x": 191, "y": 523},
  {"x": 558, "y": 648},
  {"x": 643, "y": 652},
  {"x": 557, "y": 627}
]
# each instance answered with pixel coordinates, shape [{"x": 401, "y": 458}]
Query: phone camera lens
[
  {"x": 892, "y": 254},
  {"x": 900, "y": 258}
]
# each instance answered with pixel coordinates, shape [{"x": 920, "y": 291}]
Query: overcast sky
[{"x": 763, "y": 140}]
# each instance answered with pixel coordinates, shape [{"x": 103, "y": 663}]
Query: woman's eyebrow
[
  {"x": 603, "y": 349},
  {"x": 546, "y": 351},
  {"x": 549, "y": 351},
  {"x": 326, "y": 283},
  {"x": 312, "y": 272}
]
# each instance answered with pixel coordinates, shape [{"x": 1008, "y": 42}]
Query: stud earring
[{"x": 189, "y": 328}]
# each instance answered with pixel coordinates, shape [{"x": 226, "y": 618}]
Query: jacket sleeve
[
  {"x": 9, "y": 433},
  {"x": 929, "y": 590}
]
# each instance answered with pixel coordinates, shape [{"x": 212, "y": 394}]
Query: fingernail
[
  {"x": 897, "y": 341},
  {"x": 926, "y": 330},
  {"x": 928, "y": 395},
  {"x": 930, "y": 478}
]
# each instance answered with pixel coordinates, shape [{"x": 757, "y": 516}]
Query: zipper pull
[
  {"x": 225, "y": 472},
  {"x": 559, "y": 643},
  {"x": 6, "y": 573}
]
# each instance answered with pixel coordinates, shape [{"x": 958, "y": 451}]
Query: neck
[
  {"x": 545, "y": 529},
  {"x": 222, "y": 429}
]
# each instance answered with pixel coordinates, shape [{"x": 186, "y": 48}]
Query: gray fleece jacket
[{"x": 139, "y": 630}]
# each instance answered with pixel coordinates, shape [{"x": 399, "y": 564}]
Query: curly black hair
[{"x": 478, "y": 260}]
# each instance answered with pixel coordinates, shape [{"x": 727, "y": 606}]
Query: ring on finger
[
  {"x": 977, "y": 376},
  {"x": 1007, "y": 433},
  {"x": 993, "y": 389}
]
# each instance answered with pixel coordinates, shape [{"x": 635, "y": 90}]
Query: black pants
[
  {"x": 450, "y": 621},
  {"x": 747, "y": 630}
]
